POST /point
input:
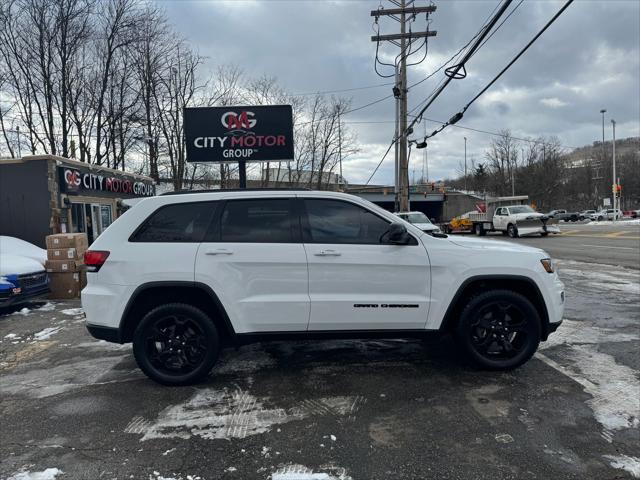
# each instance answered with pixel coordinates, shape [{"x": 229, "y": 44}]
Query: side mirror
[{"x": 396, "y": 234}]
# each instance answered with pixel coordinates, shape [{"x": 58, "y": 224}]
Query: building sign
[
  {"x": 230, "y": 134},
  {"x": 74, "y": 181}
]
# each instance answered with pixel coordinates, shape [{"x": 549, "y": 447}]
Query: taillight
[{"x": 94, "y": 259}]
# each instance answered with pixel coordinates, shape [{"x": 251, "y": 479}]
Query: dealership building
[{"x": 45, "y": 194}]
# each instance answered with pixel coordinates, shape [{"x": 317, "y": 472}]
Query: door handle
[
  {"x": 219, "y": 251},
  {"x": 327, "y": 253}
]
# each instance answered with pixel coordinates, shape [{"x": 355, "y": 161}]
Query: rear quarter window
[{"x": 180, "y": 222}]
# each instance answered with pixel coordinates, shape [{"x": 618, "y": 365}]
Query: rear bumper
[{"x": 101, "y": 332}]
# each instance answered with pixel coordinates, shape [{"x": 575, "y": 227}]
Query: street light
[
  {"x": 615, "y": 182},
  {"x": 465, "y": 164}
]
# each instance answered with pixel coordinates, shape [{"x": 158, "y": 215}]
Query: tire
[
  {"x": 512, "y": 230},
  {"x": 480, "y": 230},
  {"x": 187, "y": 328},
  {"x": 512, "y": 316},
  {"x": 600, "y": 218},
  {"x": 544, "y": 234}
]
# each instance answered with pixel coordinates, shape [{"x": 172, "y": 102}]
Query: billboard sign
[{"x": 258, "y": 133}]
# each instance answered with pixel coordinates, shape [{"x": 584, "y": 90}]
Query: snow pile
[
  {"x": 635, "y": 221},
  {"x": 624, "y": 462},
  {"x": 156, "y": 476},
  {"x": 46, "y": 333},
  {"x": 73, "y": 311},
  {"x": 47, "y": 307},
  {"x": 48, "y": 474},
  {"x": 300, "y": 472}
]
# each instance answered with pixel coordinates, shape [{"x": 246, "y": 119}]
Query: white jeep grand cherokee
[{"x": 182, "y": 276}]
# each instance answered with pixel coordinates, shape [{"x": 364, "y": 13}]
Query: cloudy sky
[{"x": 588, "y": 59}]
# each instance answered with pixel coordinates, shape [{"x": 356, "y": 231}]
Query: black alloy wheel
[
  {"x": 176, "y": 344},
  {"x": 499, "y": 329}
]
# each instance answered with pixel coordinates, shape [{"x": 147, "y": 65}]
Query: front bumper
[{"x": 24, "y": 296}]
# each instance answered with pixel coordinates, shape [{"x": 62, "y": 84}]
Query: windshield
[
  {"x": 522, "y": 209},
  {"x": 416, "y": 218}
]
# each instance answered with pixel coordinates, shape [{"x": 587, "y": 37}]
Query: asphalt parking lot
[{"x": 393, "y": 409}]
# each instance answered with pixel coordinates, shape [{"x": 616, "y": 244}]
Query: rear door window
[
  {"x": 262, "y": 220},
  {"x": 180, "y": 222}
]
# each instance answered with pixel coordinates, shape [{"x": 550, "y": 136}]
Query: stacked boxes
[{"x": 65, "y": 265}]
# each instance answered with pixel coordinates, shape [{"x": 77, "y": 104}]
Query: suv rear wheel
[
  {"x": 176, "y": 344},
  {"x": 499, "y": 329}
]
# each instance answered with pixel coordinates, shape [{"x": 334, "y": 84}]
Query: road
[
  {"x": 336, "y": 410},
  {"x": 611, "y": 244}
]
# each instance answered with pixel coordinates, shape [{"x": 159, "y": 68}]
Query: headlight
[{"x": 547, "y": 264}]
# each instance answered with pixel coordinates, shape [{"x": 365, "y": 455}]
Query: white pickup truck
[{"x": 513, "y": 220}]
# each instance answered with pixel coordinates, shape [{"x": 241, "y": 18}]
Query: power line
[
  {"x": 455, "y": 70},
  {"x": 367, "y": 87},
  {"x": 455, "y": 118},
  {"x": 382, "y": 160},
  {"x": 349, "y": 111}
]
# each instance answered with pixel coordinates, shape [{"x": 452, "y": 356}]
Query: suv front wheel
[
  {"x": 499, "y": 329},
  {"x": 176, "y": 344}
]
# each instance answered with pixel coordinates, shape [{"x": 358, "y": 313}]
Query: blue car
[{"x": 21, "y": 279}]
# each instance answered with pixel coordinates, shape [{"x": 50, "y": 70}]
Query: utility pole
[
  {"x": 465, "y": 164},
  {"x": 615, "y": 183},
  {"x": 339, "y": 147},
  {"x": 406, "y": 11},
  {"x": 599, "y": 164}
]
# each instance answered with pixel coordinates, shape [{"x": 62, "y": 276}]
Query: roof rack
[{"x": 220, "y": 190}]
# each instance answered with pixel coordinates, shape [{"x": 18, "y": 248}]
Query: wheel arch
[
  {"x": 152, "y": 294},
  {"x": 481, "y": 283}
]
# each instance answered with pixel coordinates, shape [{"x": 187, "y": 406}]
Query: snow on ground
[
  {"x": 634, "y": 221},
  {"x": 300, "y": 472},
  {"x": 613, "y": 386},
  {"x": 48, "y": 474},
  {"x": 157, "y": 476},
  {"x": 226, "y": 414},
  {"x": 73, "y": 311},
  {"x": 624, "y": 462},
  {"x": 602, "y": 277},
  {"x": 47, "y": 307},
  {"x": 46, "y": 333}
]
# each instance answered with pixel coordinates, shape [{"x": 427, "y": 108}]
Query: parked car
[
  {"x": 21, "y": 279},
  {"x": 419, "y": 220},
  {"x": 182, "y": 276},
  {"x": 17, "y": 246},
  {"x": 607, "y": 214},
  {"x": 564, "y": 215},
  {"x": 586, "y": 214}
]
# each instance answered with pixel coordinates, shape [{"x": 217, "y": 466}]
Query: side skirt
[{"x": 256, "y": 337}]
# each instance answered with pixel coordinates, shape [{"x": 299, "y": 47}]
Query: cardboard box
[
  {"x": 64, "y": 266},
  {"x": 66, "y": 285},
  {"x": 67, "y": 240},
  {"x": 65, "y": 254}
]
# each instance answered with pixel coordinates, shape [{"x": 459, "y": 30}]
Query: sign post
[{"x": 261, "y": 133}]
